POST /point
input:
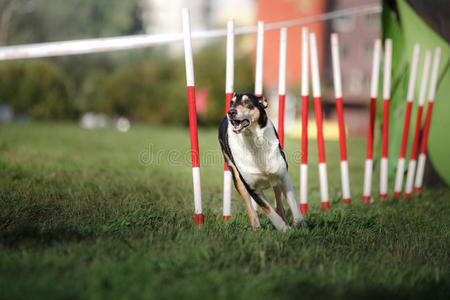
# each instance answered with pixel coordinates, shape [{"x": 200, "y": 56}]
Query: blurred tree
[{"x": 37, "y": 88}]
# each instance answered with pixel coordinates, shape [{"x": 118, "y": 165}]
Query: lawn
[{"x": 101, "y": 214}]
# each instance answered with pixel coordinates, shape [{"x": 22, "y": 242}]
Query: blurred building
[
  {"x": 162, "y": 16},
  {"x": 356, "y": 37}
]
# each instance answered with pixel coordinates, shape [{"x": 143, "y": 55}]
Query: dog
[{"x": 252, "y": 152}]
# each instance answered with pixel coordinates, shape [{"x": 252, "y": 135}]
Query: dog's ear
[{"x": 263, "y": 102}]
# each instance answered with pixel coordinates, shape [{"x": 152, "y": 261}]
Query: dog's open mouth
[{"x": 239, "y": 125}]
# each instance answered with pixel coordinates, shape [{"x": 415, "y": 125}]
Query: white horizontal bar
[{"x": 86, "y": 46}]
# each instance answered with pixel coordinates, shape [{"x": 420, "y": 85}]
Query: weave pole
[
  {"x": 318, "y": 112},
  {"x": 345, "y": 181},
  {"x": 192, "y": 116},
  {"x": 305, "y": 99},
  {"x": 426, "y": 130},
  {"x": 385, "y": 125},
  {"x": 282, "y": 84},
  {"x": 229, "y": 89},
  {"x": 409, "y": 102},
  {"x": 259, "y": 70},
  {"x": 368, "y": 169},
  {"x": 415, "y": 145}
]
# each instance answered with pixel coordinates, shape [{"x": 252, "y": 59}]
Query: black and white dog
[{"x": 254, "y": 156}]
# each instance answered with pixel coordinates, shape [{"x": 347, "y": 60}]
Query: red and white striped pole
[
  {"x": 229, "y": 89},
  {"x": 415, "y": 145},
  {"x": 373, "y": 109},
  {"x": 259, "y": 70},
  {"x": 305, "y": 96},
  {"x": 409, "y": 101},
  {"x": 345, "y": 181},
  {"x": 426, "y": 130},
  {"x": 318, "y": 112},
  {"x": 192, "y": 116},
  {"x": 282, "y": 84},
  {"x": 385, "y": 125}
]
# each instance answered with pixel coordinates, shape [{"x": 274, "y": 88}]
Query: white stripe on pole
[
  {"x": 336, "y": 66},
  {"x": 375, "y": 69},
  {"x": 305, "y": 58},
  {"x": 383, "y": 176},
  {"x": 368, "y": 179},
  {"x": 422, "y": 94},
  {"x": 420, "y": 170},
  {"x": 197, "y": 190},
  {"x": 227, "y": 193},
  {"x": 323, "y": 183},
  {"x": 413, "y": 73},
  {"x": 399, "y": 176},
  {"x": 87, "y": 46},
  {"x": 304, "y": 184},
  {"x": 314, "y": 66},
  {"x": 425, "y": 73},
  {"x": 188, "y": 48},
  {"x": 434, "y": 74},
  {"x": 410, "y": 177},
  {"x": 229, "y": 85},
  {"x": 259, "y": 59},
  {"x": 387, "y": 69},
  {"x": 282, "y": 63},
  {"x": 345, "y": 181}
]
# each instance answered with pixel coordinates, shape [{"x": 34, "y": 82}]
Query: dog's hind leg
[
  {"x": 289, "y": 193},
  {"x": 279, "y": 204},
  {"x": 276, "y": 220}
]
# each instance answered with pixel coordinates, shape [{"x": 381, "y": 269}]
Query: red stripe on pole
[
  {"x": 281, "y": 101},
  {"x": 406, "y": 129},
  {"x": 199, "y": 219},
  {"x": 340, "y": 116},
  {"x": 415, "y": 144},
  {"x": 303, "y": 208},
  {"x": 426, "y": 129},
  {"x": 228, "y": 97},
  {"x": 385, "y": 129},
  {"x": 373, "y": 112},
  {"x": 258, "y": 95},
  {"x": 320, "y": 142},
  {"x": 193, "y": 126},
  {"x": 304, "y": 158}
]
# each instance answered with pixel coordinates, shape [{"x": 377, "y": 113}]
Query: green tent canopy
[{"x": 426, "y": 23}]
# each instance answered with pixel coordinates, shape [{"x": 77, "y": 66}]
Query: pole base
[
  {"x": 397, "y": 194},
  {"x": 407, "y": 195},
  {"x": 325, "y": 205},
  {"x": 303, "y": 208},
  {"x": 366, "y": 199},
  {"x": 199, "y": 218},
  {"x": 417, "y": 189},
  {"x": 226, "y": 218},
  {"x": 383, "y": 196},
  {"x": 347, "y": 200}
]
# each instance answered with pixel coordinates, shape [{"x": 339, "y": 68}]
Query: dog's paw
[{"x": 301, "y": 223}]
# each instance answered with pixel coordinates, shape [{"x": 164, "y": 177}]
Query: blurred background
[{"x": 148, "y": 85}]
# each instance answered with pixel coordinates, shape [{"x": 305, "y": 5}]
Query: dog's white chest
[{"x": 257, "y": 157}]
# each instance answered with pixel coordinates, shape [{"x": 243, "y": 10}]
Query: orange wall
[{"x": 271, "y": 11}]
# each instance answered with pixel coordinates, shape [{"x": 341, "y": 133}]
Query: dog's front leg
[
  {"x": 275, "y": 218},
  {"x": 279, "y": 203},
  {"x": 289, "y": 193}
]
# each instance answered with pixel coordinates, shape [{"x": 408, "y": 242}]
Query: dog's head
[{"x": 247, "y": 110}]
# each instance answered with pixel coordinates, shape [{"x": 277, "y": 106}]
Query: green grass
[{"x": 90, "y": 214}]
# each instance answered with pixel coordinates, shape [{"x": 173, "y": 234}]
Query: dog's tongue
[{"x": 241, "y": 125}]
